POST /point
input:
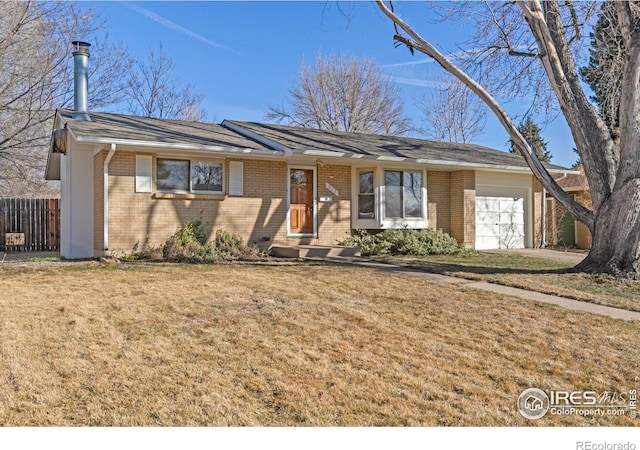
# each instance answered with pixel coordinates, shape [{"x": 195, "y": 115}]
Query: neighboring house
[
  {"x": 130, "y": 181},
  {"x": 562, "y": 229},
  {"x": 127, "y": 182}
]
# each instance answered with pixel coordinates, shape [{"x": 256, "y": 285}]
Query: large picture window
[
  {"x": 402, "y": 194},
  {"x": 189, "y": 176}
]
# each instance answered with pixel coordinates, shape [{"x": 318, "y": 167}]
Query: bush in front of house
[
  {"x": 189, "y": 244},
  {"x": 423, "y": 242}
]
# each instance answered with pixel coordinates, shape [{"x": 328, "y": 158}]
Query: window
[
  {"x": 366, "y": 195},
  {"x": 402, "y": 194},
  {"x": 206, "y": 176},
  {"x": 172, "y": 175},
  {"x": 189, "y": 176}
]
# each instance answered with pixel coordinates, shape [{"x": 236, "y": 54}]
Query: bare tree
[
  {"x": 546, "y": 38},
  {"x": 453, "y": 113},
  {"x": 343, "y": 93},
  {"x": 36, "y": 78},
  {"x": 153, "y": 91}
]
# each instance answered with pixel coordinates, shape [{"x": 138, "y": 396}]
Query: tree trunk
[{"x": 615, "y": 247}]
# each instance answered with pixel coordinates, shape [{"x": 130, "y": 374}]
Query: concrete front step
[{"x": 314, "y": 251}]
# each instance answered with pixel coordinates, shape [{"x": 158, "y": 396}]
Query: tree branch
[{"x": 414, "y": 40}]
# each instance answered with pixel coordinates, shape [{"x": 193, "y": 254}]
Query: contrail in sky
[
  {"x": 417, "y": 82},
  {"x": 174, "y": 26},
  {"x": 409, "y": 63}
]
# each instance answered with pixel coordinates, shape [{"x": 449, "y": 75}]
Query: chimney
[{"x": 81, "y": 80}]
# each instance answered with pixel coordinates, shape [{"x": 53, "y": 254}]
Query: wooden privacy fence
[{"x": 29, "y": 224}]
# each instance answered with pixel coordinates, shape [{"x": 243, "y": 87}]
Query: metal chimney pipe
[{"x": 81, "y": 80}]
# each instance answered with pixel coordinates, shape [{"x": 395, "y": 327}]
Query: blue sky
[{"x": 243, "y": 56}]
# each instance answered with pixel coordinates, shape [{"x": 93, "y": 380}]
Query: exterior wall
[
  {"x": 259, "y": 215},
  {"x": 463, "y": 207},
  {"x": 334, "y": 217},
  {"x": 439, "y": 200},
  {"x": 555, "y": 213},
  {"x": 537, "y": 212},
  {"x": 76, "y": 187},
  {"x": 98, "y": 202},
  {"x": 583, "y": 235}
]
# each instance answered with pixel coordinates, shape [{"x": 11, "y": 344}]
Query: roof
[
  {"x": 361, "y": 145},
  {"x": 276, "y": 140},
  {"x": 118, "y": 128},
  {"x": 573, "y": 181}
]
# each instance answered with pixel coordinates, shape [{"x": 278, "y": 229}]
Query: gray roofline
[
  {"x": 166, "y": 145},
  {"x": 242, "y": 129},
  {"x": 256, "y": 137},
  {"x": 431, "y": 162}
]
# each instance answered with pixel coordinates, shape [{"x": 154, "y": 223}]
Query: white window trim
[
  {"x": 315, "y": 202},
  {"x": 190, "y": 161},
  {"x": 365, "y": 223},
  {"x": 358, "y": 173}
]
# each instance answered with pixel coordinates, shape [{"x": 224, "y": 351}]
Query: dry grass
[{"x": 306, "y": 345}]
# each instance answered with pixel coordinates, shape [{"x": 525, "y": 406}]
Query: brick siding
[
  {"x": 138, "y": 218},
  {"x": 463, "y": 207},
  {"x": 439, "y": 200}
]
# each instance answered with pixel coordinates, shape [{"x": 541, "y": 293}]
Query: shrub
[
  {"x": 192, "y": 232},
  {"x": 369, "y": 244},
  {"x": 404, "y": 242},
  {"x": 189, "y": 244}
]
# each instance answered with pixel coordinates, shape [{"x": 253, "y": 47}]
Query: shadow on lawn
[
  {"x": 443, "y": 268},
  {"x": 447, "y": 268}
]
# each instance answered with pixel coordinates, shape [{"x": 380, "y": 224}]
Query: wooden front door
[{"x": 301, "y": 201}]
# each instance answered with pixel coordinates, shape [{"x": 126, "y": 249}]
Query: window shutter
[
  {"x": 236, "y": 178},
  {"x": 143, "y": 173}
]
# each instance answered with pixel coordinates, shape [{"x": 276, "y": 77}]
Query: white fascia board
[
  {"x": 175, "y": 146},
  {"x": 486, "y": 166},
  {"x": 256, "y": 137},
  {"x": 427, "y": 162},
  {"x": 434, "y": 162},
  {"x": 326, "y": 153},
  {"x": 393, "y": 158}
]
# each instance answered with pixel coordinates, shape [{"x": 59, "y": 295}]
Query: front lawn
[
  {"x": 536, "y": 274},
  {"x": 304, "y": 344}
]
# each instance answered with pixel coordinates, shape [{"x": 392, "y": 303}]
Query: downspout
[
  {"x": 105, "y": 193},
  {"x": 543, "y": 240}
]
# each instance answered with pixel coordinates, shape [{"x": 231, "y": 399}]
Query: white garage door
[{"x": 500, "y": 218}]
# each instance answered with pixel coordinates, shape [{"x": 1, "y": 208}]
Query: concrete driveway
[{"x": 569, "y": 256}]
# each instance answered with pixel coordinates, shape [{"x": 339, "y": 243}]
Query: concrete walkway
[{"x": 574, "y": 305}]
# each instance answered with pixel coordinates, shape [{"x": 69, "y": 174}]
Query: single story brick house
[{"x": 130, "y": 181}]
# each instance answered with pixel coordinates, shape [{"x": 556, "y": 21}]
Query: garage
[{"x": 500, "y": 217}]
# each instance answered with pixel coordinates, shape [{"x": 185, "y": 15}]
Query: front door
[{"x": 301, "y": 201}]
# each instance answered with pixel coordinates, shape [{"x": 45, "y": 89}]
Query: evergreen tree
[
  {"x": 531, "y": 132},
  {"x": 603, "y": 73}
]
